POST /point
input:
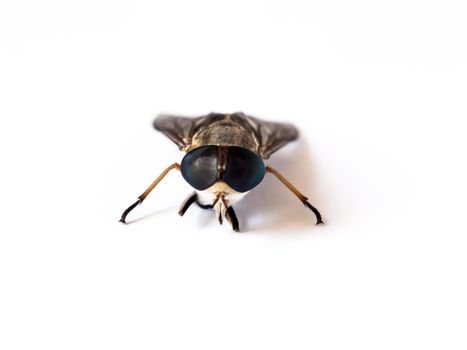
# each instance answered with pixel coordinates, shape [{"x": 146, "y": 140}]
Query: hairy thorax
[{"x": 225, "y": 134}]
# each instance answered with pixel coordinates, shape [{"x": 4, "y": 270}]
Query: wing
[
  {"x": 179, "y": 129},
  {"x": 272, "y": 136}
]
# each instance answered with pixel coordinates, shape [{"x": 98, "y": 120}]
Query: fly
[{"x": 224, "y": 160}]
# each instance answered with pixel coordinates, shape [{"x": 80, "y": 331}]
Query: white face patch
[{"x": 230, "y": 196}]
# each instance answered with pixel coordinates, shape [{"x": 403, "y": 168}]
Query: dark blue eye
[
  {"x": 245, "y": 169},
  {"x": 199, "y": 167}
]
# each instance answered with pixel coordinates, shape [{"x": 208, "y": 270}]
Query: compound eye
[
  {"x": 245, "y": 169},
  {"x": 199, "y": 167}
]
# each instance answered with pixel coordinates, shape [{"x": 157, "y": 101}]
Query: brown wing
[
  {"x": 179, "y": 129},
  {"x": 272, "y": 136}
]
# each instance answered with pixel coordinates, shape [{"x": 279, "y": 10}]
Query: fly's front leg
[
  {"x": 188, "y": 202},
  {"x": 148, "y": 190},
  {"x": 300, "y": 196}
]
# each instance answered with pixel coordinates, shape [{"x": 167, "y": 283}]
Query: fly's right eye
[
  {"x": 199, "y": 167},
  {"x": 245, "y": 169}
]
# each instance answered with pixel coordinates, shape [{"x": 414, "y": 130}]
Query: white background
[{"x": 378, "y": 90}]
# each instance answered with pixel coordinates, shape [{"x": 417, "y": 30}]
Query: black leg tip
[
  {"x": 130, "y": 208},
  {"x": 181, "y": 212},
  {"x": 188, "y": 202},
  {"x": 315, "y": 211}
]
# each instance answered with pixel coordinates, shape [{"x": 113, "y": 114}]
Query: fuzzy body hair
[{"x": 221, "y": 196}]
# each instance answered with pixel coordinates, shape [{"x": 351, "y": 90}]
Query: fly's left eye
[
  {"x": 199, "y": 167},
  {"x": 245, "y": 169}
]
